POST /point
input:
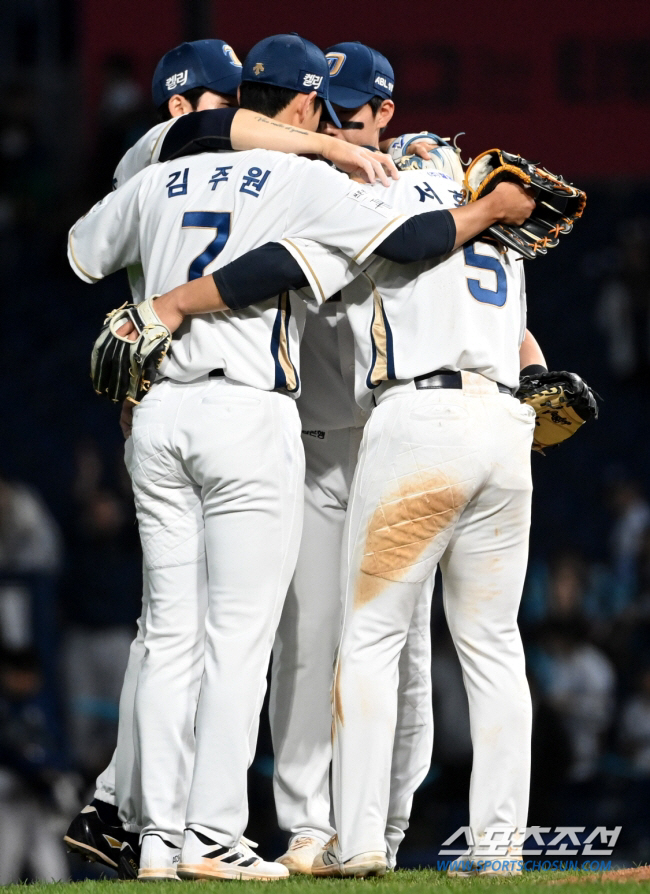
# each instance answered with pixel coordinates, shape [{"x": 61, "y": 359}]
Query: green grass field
[{"x": 411, "y": 881}]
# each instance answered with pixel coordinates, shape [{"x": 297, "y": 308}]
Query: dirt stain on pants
[{"x": 404, "y": 524}]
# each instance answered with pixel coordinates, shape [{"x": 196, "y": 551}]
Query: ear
[
  {"x": 385, "y": 113},
  {"x": 178, "y": 106},
  {"x": 305, "y": 107}
]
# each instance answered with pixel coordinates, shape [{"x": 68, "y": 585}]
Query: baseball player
[
  {"x": 217, "y": 458},
  {"x": 361, "y": 89},
  {"x": 203, "y": 74},
  {"x": 443, "y": 477},
  {"x": 194, "y": 76}
]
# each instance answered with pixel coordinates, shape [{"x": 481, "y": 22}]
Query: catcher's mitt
[
  {"x": 562, "y": 402},
  {"x": 125, "y": 369},
  {"x": 557, "y": 203}
]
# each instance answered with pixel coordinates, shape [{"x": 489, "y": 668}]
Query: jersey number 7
[{"x": 207, "y": 220}]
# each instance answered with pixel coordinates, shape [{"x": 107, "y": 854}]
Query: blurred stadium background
[{"x": 568, "y": 85}]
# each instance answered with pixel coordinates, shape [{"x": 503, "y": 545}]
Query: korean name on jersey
[
  {"x": 466, "y": 310},
  {"x": 185, "y": 218}
]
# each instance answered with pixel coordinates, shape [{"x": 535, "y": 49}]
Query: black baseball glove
[
  {"x": 562, "y": 401},
  {"x": 557, "y": 203},
  {"x": 125, "y": 369}
]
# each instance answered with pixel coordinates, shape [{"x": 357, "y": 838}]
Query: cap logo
[
  {"x": 176, "y": 80},
  {"x": 258, "y": 68},
  {"x": 380, "y": 81},
  {"x": 312, "y": 80},
  {"x": 231, "y": 55},
  {"x": 335, "y": 62}
]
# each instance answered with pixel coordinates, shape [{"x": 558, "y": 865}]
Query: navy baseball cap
[
  {"x": 288, "y": 60},
  {"x": 202, "y": 63},
  {"x": 357, "y": 73}
]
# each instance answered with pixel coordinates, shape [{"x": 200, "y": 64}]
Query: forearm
[
  {"x": 250, "y": 130},
  {"x": 200, "y": 296},
  {"x": 238, "y": 129},
  {"x": 530, "y": 353},
  {"x": 473, "y": 219}
]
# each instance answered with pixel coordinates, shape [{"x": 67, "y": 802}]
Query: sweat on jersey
[
  {"x": 465, "y": 310},
  {"x": 184, "y": 218}
]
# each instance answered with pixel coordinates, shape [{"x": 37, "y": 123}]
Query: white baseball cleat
[
  {"x": 300, "y": 854},
  {"x": 158, "y": 859},
  {"x": 327, "y": 862},
  {"x": 203, "y": 858}
]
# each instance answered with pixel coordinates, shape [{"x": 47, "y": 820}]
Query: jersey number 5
[
  {"x": 485, "y": 262},
  {"x": 207, "y": 220}
]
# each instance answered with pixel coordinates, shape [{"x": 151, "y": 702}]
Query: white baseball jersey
[
  {"x": 188, "y": 217},
  {"x": 142, "y": 154},
  {"x": 466, "y": 310}
]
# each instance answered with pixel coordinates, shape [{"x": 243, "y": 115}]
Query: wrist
[
  {"x": 493, "y": 208},
  {"x": 323, "y": 144},
  {"x": 169, "y": 310},
  {"x": 533, "y": 369}
]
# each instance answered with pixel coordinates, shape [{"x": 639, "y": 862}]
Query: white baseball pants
[
  {"x": 443, "y": 476},
  {"x": 217, "y": 472},
  {"x": 304, "y": 655}
]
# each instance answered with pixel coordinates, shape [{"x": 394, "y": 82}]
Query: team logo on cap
[
  {"x": 176, "y": 80},
  {"x": 312, "y": 80},
  {"x": 258, "y": 68},
  {"x": 335, "y": 62},
  {"x": 380, "y": 81},
  {"x": 232, "y": 56}
]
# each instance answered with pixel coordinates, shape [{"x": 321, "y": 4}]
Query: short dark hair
[
  {"x": 267, "y": 99},
  {"x": 375, "y": 103},
  {"x": 192, "y": 96}
]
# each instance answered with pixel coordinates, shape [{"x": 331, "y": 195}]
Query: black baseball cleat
[
  {"x": 96, "y": 840},
  {"x": 129, "y": 862}
]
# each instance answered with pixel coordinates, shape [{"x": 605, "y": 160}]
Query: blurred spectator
[
  {"x": 29, "y": 537},
  {"x": 123, "y": 118},
  {"x": 579, "y": 683},
  {"x": 623, "y": 311},
  {"x": 30, "y": 557},
  {"x": 629, "y": 505},
  {"x": 31, "y": 778},
  {"x": 121, "y": 95},
  {"x": 102, "y": 590},
  {"x": 635, "y": 726}
]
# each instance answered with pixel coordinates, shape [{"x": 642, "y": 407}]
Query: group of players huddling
[{"x": 334, "y": 420}]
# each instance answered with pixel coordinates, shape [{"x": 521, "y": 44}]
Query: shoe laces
[{"x": 246, "y": 845}]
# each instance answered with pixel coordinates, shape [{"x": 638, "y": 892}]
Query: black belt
[
  {"x": 444, "y": 378},
  {"x": 216, "y": 374}
]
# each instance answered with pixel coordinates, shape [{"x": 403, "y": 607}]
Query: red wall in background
[
  {"x": 567, "y": 84},
  {"x": 142, "y": 29}
]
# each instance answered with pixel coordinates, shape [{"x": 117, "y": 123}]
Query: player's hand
[
  {"x": 129, "y": 331},
  {"x": 513, "y": 204},
  {"x": 421, "y": 148},
  {"x": 356, "y": 160},
  {"x": 126, "y": 419}
]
